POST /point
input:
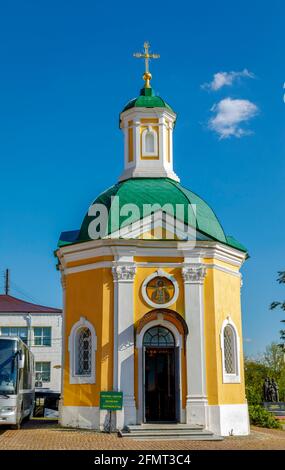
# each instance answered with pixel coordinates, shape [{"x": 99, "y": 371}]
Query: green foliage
[
  {"x": 255, "y": 374},
  {"x": 273, "y": 359},
  {"x": 259, "y": 416},
  {"x": 272, "y": 365},
  {"x": 278, "y": 304}
]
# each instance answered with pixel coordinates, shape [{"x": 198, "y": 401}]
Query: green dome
[
  {"x": 147, "y": 99},
  {"x": 141, "y": 191}
]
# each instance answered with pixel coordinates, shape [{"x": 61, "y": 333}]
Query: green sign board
[{"x": 111, "y": 401}]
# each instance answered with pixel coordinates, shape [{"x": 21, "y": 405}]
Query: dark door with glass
[{"x": 160, "y": 383}]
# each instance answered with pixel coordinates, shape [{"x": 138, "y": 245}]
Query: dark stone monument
[{"x": 271, "y": 398}]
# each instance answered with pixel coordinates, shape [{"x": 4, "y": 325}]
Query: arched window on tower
[
  {"x": 82, "y": 345},
  {"x": 149, "y": 142},
  {"x": 230, "y": 352}
]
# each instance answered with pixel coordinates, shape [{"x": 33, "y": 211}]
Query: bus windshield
[{"x": 8, "y": 367}]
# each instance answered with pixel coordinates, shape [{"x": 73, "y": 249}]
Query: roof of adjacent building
[
  {"x": 147, "y": 99},
  {"x": 10, "y": 304},
  {"x": 162, "y": 191}
]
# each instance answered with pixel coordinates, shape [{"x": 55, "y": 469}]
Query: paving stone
[{"x": 47, "y": 435}]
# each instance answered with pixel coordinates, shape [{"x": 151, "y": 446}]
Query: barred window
[
  {"x": 84, "y": 352},
  {"x": 82, "y": 346},
  {"x": 229, "y": 350}
]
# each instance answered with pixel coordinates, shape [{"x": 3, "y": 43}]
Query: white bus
[{"x": 17, "y": 381}]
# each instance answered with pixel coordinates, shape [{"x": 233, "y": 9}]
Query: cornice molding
[{"x": 189, "y": 249}]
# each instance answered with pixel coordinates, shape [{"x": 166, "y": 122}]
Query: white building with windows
[{"x": 40, "y": 328}]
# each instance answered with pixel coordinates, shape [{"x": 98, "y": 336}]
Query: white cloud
[
  {"x": 221, "y": 79},
  {"x": 229, "y": 114}
]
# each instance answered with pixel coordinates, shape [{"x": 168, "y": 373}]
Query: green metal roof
[
  {"x": 142, "y": 191},
  {"x": 162, "y": 191},
  {"x": 147, "y": 99}
]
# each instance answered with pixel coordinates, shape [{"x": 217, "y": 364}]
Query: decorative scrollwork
[
  {"x": 124, "y": 273},
  {"x": 194, "y": 273}
]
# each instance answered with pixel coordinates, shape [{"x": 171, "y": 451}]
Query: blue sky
[{"x": 66, "y": 72}]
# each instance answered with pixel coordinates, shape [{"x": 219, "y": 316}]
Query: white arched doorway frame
[{"x": 178, "y": 338}]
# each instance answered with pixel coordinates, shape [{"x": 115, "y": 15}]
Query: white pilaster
[
  {"x": 61, "y": 401},
  {"x": 123, "y": 369},
  {"x": 196, "y": 400}
]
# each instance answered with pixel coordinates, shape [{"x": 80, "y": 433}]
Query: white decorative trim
[
  {"x": 157, "y": 222},
  {"x": 170, "y": 248},
  {"x": 194, "y": 273},
  {"x": 224, "y": 420},
  {"x": 223, "y": 269},
  {"x": 229, "y": 420},
  {"x": 160, "y": 273},
  {"x": 89, "y": 267},
  {"x": 139, "y": 345},
  {"x": 135, "y": 114},
  {"x": 160, "y": 322},
  {"x": 109, "y": 264},
  {"x": 73, "y": 377},
  {"x": 231, "y": 378},
  {"x": 124, "y": 272},
  {"x": 63, "y": 281}
]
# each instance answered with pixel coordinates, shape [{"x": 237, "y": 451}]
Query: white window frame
[
  {"x": 15, "y": 334},
  {"x": 42, "y": 336},
  {"x": 145, "y": 153},
  {"x": 75, "y": 378},
  {"x": 231, "y": 378}
]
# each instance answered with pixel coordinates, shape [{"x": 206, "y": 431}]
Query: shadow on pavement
[{"x": 34, "y": 423}]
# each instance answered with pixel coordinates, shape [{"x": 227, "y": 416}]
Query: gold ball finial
[{"x": 147, "y": 78}]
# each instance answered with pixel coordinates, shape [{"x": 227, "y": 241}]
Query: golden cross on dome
[{"x": 146, "y": 56}]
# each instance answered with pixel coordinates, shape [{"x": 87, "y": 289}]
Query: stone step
[
  {"x": 174, "y": 437},
  {"x": 168, "y": 432},
  {"x": 163, "y": 427}
]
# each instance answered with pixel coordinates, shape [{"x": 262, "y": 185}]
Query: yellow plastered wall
[
  {"x": 221, "y": 299},
  {"x": 90, "y": 294}
]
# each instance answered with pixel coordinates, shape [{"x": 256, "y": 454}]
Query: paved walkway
[{"x": 42, "y": 435}]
